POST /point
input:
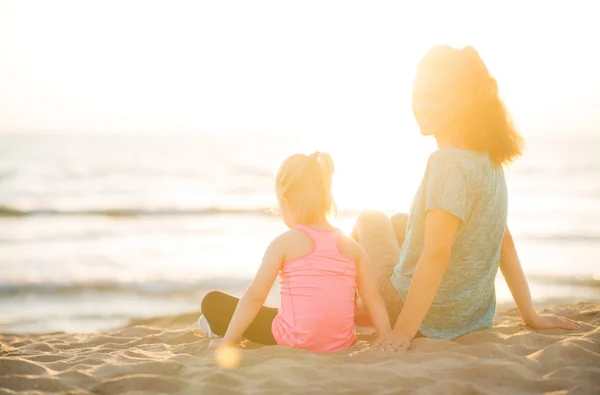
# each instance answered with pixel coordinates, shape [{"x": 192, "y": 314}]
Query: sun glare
[
  {"x": 274, "y": 67},
  {"x": 205, "y": 67},
  {"x": 380, "y": 173},
  {"x": 228, "y": 357}
]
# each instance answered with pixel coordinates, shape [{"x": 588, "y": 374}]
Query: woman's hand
[
  {"x": 511, "y": 268},
  {"x": 219, "y": 343},
  {"x": 393, "y": 341},
  {"x": 552, "y": 321}
]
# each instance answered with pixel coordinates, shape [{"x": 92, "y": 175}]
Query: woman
[{"x": 456, "y": 236}]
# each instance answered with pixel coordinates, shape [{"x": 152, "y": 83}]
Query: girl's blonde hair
[{"x": 304, "y": 181}]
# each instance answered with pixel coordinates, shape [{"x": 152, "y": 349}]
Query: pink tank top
[{"x": 317, "y": 297}]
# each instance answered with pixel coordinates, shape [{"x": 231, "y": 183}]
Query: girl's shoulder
[
  {"x": 295, "y": 243},
  {"x": 291, "y": 237},
  {"x": 349, "y": 247}
]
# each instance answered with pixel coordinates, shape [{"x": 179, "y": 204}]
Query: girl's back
[{"x": 317, "y": 293}]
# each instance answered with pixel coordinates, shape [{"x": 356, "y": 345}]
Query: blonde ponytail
[
  {"x": 306, "y": 183},
  {"x": 326, "y": 168}
]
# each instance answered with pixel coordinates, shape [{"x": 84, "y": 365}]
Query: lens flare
[{"x": 228, "y": 357}]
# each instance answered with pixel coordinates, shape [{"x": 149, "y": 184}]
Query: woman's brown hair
[{"x": 477, "y": 110}]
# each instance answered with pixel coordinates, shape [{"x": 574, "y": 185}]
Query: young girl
[{"x": 319, "y": 268}]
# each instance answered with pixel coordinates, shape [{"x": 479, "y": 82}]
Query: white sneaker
[{"x": 204, "y": 326}]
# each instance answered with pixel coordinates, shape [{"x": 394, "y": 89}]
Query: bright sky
[{"x": 336, "y": 67}]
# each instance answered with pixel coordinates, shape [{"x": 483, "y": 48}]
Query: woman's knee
[
  {"x": 399, "y": 222},
  {"x": 371, "y": 224},
  {"x": 371, "y": 218},
  {"x": 400, "y": 218}
]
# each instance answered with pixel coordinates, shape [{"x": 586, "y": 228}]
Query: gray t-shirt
[{"x": 470, "y": 186}]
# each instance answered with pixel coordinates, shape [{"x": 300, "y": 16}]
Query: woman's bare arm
[
  {"x": 440, "y": 230},
  {"x": 511, "y": 268}
]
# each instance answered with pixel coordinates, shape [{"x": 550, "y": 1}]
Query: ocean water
[{"x": 97, "y": 230}]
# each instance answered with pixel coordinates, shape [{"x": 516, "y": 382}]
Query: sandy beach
[{"x": 166, "y": 355}]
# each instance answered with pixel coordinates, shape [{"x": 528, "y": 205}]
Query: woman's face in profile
[{"x": 432, "y": 102}]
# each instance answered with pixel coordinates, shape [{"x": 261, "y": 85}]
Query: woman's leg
[
  {"x": 399, "y": 222},
  {"x": 218, "y": 308},
  {"x": 381, "y": 237}
]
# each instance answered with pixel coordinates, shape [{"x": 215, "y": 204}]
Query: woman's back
[
  {"x": 470, "y": 186},
  {"x": 317, "y": 296}
]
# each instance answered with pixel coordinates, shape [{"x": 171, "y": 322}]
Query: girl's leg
[
  {"x": 218, "y": 308},
  {"x": 381, "y": 237}
]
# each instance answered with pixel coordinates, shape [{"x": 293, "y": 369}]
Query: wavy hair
[{"x": 471, "y": 101}]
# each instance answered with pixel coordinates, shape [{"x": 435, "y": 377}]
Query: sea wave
[
  {"x": 159, "y": 288},
  {"x": 174, "y": 288},
  {"x": 7, "y": 211},
  {"x": 563, "y": 237},
  {"x": 120, "y": 212}
]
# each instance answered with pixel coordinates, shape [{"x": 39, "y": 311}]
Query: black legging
[{"x": 218, "y": 308}]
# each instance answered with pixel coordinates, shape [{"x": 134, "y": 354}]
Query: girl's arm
[
  {"x": 511, "y": 268},
  {"x": 367, "y": 289},
  {"x": 440, "y": 229},
  {"x": 255, "y": 295}
]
